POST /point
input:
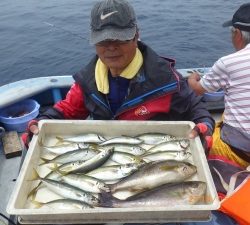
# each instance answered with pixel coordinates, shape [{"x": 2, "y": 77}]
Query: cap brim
[
  {"x": 227, "y": 24},
  {"x": 112, "y": 34}
]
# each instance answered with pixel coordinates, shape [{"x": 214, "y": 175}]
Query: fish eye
[{"x": 185, "y": 169}]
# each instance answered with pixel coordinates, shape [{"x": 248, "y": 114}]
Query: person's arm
[
  {"x": 72, "y": 107},
  {"x": 194, "y": 83}
]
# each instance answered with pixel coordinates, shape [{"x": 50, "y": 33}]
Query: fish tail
[
  {"x": 94, "y": 146},
  {"x": 37, "y": 204},
  {"x": 106, "y": 199},
  {"x": 33, "y": 192},
  {"x": 35, "y": 175},
  {"x": 59, "y": 140},
  {"x": 55, "y": 168},
  {"x": 45, "y": 161}
]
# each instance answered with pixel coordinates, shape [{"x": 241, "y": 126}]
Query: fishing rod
[{"x": 67, "y": 31}]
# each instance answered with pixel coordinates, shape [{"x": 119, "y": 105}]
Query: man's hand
[
  {"x": 205, "y": 134},
  {"x": 31, "y": 130},
  {"x": 33, "y": 127},
  {"x": 194, "y": 83}
]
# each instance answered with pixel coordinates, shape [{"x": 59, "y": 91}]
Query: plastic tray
[{"x": 18, "y": 203}]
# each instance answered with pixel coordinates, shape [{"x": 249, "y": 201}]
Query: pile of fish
[{"x": 89, "y": 171}]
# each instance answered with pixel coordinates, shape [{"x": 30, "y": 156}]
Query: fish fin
[
  {"x": 54, "y": 167},
  {"x": 223, "y": 182}
]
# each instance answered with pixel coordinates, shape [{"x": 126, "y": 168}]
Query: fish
[
  {"x": 175, "y": 145},
  {"x": 82, "y": 154},
  {"x": 125, "y": 158},
  {"x": 166, "y": 155},
  {"x": 86, "y": 183},
  {"x": 154, "y": 174},
  {"x": 65, "y": 190},
  {"x": 63, "y": 204},
  {"x": 115, "y": 172},
  {"x": 61, "y": 149},
  {"x": 122, "y": 140},
  {"x": 184, "y": 193},
  {"x": 155, "y": 138},
  {"x": 128, "y": 148},
  {"x": 82, "y": 166},
  {"x": 84, "y": 138}
]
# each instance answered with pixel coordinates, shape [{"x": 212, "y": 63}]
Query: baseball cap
[
  {"x": 112, "y": 19},
  {"x": 241, "y": 18}
]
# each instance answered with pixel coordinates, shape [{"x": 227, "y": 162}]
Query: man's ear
[{"x": 239, "y": 39}]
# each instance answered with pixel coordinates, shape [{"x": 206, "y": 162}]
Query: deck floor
[{"x": 9, "y": 169}]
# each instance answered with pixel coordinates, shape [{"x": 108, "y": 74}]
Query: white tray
[{"x": 19, "y": 205}]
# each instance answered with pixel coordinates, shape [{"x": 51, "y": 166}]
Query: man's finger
[{"x": 34, "y": 129}]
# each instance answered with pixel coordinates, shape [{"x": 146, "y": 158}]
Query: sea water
[{"x": 50, "y": 37}]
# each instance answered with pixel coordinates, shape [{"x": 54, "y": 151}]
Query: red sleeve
[{"x": 73, "y": 107}]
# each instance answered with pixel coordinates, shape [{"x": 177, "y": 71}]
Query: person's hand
[
  {"x": 31, "y": 130},
  {"x": 205, "y": 134},
  {"x": 194, "y": 76},
  {"x": 194, "y": 83},
  {"x": 33, "y": 127}
]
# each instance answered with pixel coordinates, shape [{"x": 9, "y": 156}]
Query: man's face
[{"x": 116, "y": 55}]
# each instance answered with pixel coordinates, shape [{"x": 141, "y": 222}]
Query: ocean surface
[{"x": 50, "y": 37}]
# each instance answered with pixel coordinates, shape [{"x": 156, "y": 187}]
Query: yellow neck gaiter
[{"x": 101, "y": 72}]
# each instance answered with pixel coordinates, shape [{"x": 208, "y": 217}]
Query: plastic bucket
[{"x": 17, "y": 116}]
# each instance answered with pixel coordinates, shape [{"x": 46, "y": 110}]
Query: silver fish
[
  {"x": 128, "y": 148},
  {"x": 61, "y": 149},
  {"x": 66, "y": 190},
  {"x": 82, "y": 154},
  {"x": 115, "y": 172},
  {"x": 155, "y": 138},
  {"x": 63, "y": 204},
  {"x": 175, "y": 145},
  {"x": 125, "y": 158},
  {"x": 185, "y": 193},
  {"x": 154, "y": 174},
  {"x": 166, "y": 155},
  {"x": 86, "y": 183},
  {"x": 85, "y": 166},
  {"x": 84, "y": 138},
  {"x": 122, "y": 140}
]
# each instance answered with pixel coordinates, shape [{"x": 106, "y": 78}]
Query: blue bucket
[{"x": 17, "y": 116}]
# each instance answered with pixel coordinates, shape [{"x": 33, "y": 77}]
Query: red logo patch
[{"x": 142, "y": 110}]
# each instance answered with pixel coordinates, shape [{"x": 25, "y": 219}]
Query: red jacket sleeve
[{"x": 73, "y": 107}]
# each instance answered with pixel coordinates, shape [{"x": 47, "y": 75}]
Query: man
[
  {"x": 127, "y": 80},
  {"x": 232, "y": 74}
]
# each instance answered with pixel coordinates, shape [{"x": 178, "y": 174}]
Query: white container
[{"x": 19, "y": 205}]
